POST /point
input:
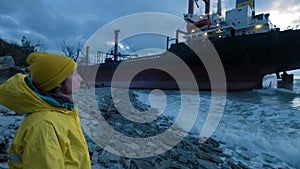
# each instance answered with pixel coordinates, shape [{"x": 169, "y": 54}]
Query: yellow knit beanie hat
[{"x": 48, "y": 70}]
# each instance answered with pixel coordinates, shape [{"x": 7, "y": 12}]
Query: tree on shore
[
  {"x": 26, "y": 43},
  {"x": 71, "y": 51}
]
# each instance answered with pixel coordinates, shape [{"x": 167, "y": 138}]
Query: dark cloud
[
  {"x": 76, "y": 20},
  {"x": 297, "y": 21},
  {"x": 50, "y": 22},
  {"x": 284, "y": 6}
]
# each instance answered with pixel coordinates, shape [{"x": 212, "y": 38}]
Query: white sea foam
[{"x": 263, "y": 125}]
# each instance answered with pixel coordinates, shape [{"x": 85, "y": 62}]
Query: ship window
[{"x": 259, "y": 17}]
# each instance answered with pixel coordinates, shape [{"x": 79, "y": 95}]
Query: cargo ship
[{"x": 249, "y": 47}]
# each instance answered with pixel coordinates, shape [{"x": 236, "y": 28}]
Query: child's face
[{"x": 72, "y": 83}]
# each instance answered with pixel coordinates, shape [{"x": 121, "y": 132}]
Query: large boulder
[
  {"x": 7, "y": 68},
  {"x": 19, "y": 53},
  {"x": 6, "y": 61}
]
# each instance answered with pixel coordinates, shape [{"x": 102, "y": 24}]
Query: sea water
[{"x": 258, "y": 127}]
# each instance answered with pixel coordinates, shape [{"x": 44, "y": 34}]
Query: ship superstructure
[{"x": 237, "y": 22}]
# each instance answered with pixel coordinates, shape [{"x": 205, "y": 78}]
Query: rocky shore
[{"x": 189, "y": 153}]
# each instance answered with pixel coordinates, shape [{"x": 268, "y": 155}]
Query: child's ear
[{"x": 60, "y": 86}]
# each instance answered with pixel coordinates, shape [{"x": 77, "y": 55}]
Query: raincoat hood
[{"x": 16, "y": 95}]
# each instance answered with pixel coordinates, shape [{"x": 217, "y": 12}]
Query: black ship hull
[{"x": 245, "y": 59}]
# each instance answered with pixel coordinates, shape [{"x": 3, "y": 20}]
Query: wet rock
[
  {"x": 233, "y": 165},
  {"x": 107, "y": 157},
  {"x": 143, "y": 164},
  {"x": 6, "y": 122},
  {"x": 94, "y": 158},
  {"x": 225, "y": 166},
  {"x": 207, "y": 165},
  {"x": 4, "y": 145},
  {"x": 4, "y": 148},
  {"x": 209, "y": 157},
  {"x": 4, "y": 165},
  {"x": 242, "y": 165},
  {"x": 3, "y": 157}
]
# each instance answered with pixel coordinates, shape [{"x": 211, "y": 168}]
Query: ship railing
[
  {"x": 293, "y": 28},
  {"x": 142, "y": 58},
  {"x": 254, "y": 25},
  {"x": 246, "y": 24},
  {"x": 216, "y": 32}
]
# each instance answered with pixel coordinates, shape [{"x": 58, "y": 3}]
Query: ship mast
[
  {"x": 219, "y": 10},
  {"x": 207, "y": 6},
  {"x": 191, "y": 7},
  {"x": 116, "y": 45}
]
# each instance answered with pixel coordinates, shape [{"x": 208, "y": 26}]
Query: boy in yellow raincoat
[{"x": 50, "y": 135}]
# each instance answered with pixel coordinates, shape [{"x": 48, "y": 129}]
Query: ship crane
[
  {"x": 193, "y": 20},
  {"x": 191, "y": 6}
]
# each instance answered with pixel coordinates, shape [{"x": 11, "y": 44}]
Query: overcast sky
[{"x": 51, "y": 21}]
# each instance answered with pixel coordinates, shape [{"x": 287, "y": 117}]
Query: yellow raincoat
[{"x": 49, "y": 137}]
